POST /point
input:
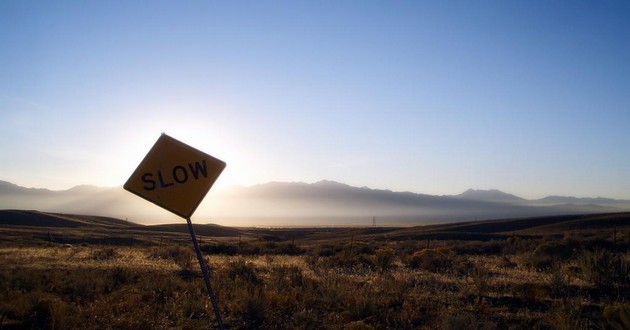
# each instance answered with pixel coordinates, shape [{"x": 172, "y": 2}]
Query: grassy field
[{"x": 545, "y": 273}]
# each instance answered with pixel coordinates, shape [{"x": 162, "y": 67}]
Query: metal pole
[{"x": 206, "y": 276}]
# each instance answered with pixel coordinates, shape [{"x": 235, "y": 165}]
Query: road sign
[{"x": 175, "y": 176}]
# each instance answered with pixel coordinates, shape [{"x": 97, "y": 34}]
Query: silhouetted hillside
[
  {"x": 547, "y": 225},
  {"x": 85, "y": 228},
  {"x": 200, "y": 229},
  {"x": 44, "y": 219}
]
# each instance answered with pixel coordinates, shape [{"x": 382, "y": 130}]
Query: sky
[{"x": 435, "y": 97}]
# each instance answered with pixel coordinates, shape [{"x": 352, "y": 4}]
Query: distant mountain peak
[
  {"x": 8, "y": 187},
  {"x": 8, "y": 184},
  {"x": 482, "y": 191},
  {"x": 489, "y": 195},
  {"x": 84, "y": 188},
  {"x": 329, "y": 183}
]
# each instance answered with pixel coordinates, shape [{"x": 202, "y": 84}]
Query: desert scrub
[
  {"x": 480, "y": 280},
  {"x": 243, "y": 271},
  {"x": 432, "y": 260},
  {"x": 220, "y": 248},
  {"x": 141, "y": 288},
  {"x": 559, "y": 280},
  {"x": 384, "y": 259},
  {"x": 492, "y": 247},
  {"x": 347, "y": 264},
  {"x": 604, "y": 269},
  {"x": 547, "y": 253},
  {"x": 565, "y": 315},
  {"x": 462, "y": 320},
  {"x": 531, "y": 293},
  {"x": 617, "y": 316},
  {"x": 290, "y": 249},
  {"x": 327, "y": 250},
  {"x": 43, "y": 311},
  {"x": 105, "y": 254},
  {"x": 281, "y": 276},
  {"x": 117, "y": 297},
  {"x": 182, "y": 256}
]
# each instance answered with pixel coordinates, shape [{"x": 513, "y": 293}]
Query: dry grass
[
  {"x": 331, "y": 285},
  {"x": 72, "y": 257}
]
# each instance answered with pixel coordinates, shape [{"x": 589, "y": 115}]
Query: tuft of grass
[
  {"x": 617, "y": 316},
  {"x": 565, "y": 315},
  {"x": 181, "y": 256},
  {"x": 384, "y": 259},
  {"x": 604, "y": 269},
  {"x": 546, "y": 254},
  {"x": 243, "y": 271},
  {"x": 480, "y": 278},
  {"x": 105, "y": 254}
]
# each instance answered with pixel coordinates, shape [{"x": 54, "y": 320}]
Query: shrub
[
  {"x": 364, "y": 249},
  {"x": 461, "y": 265},
  {"x": 249, "y": 305},
  {"x": 219, "y": 248},
  {"x": 604, "y": 268},
  {"x": 546, "y": 254},
  {"x": 121, "y": 276},
  {"x": 565, "y": 315},
  {"x": 480, "y": 278},
  {"x": 357, "y": 325},
  {"x": 432, "y": 260},
  {"x": 460, "y": 321},
  {"x": 327, "y": 250},
  {"x": 290, "y": 249},
  {"x": 307, "y": 320},
  {"x": 530, "y": 292},
  {"x": 617, "y": 316},
  {"x": 183, "y": 257},
  {"x": 492, "y": 247},
  {"x": 286, "y": 276},
  {"x": 51, "y": 313},
  {"x": 506, "y": 262},
  {"x": 353, "y": 264},
  {"x": 361, "y": 304},
  {"x": 384, "y": 259},
  {"x": 559, "y": 279},
  {"x": 105, "y": 254},
  {"x": 243, "y": 270},
  {"x": 247, "y": 249}
]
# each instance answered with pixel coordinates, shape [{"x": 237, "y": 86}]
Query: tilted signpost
[{"x": 176, "y": 176}]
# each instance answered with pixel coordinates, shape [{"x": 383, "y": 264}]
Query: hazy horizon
[
  {"x": 433, "y": 97},
  {"x": 323, "y": 203},
  {"x": 237, "y": 186}
]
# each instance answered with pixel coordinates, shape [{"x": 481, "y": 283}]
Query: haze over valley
[{"x": 323, "y": 203}]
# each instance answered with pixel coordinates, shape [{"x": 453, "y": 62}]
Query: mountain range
[{"x": 323, "y": 203}]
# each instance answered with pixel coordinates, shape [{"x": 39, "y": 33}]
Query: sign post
[
  {"x": 176, "y": 176},
  {"x": 206, "y": 275}
]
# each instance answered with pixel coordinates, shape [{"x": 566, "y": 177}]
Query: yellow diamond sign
[{"x": 175, "y": 176}]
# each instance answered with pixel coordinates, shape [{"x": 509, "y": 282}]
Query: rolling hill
[
  {"x": 46, "y": 219},
  {"x": 38, "y": 226}
]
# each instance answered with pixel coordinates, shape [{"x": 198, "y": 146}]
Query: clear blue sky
[{"x": 529, "y": 97}]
